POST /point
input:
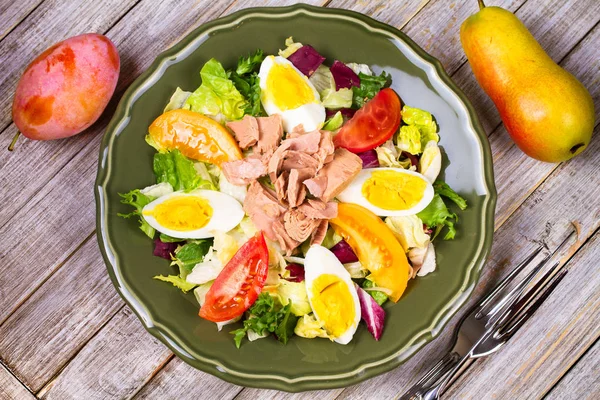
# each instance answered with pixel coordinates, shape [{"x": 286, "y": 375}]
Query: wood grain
[
  {"x": 395, "y": 13},
  {"x": 112, "y": 365},
  {"x": 583, "y": 380},
  {"x": 59, "y": 318},
  {"x": 12, "y": 13},
  {"x": 177, "y": 380},
  {"x": 11, "y": 388}
]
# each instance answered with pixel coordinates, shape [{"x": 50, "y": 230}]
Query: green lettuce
[
  {"x": 176, "y": 169},
  {"x": 294, "y": 293},
  {"x": 379, "y": 296},
  {"x": 409, "y": 139},
  {"x": 436, "y": 215},
  {"x": 138, "y": 200},
  {"x": 176, "y": 281},
  {"x": 291, "y": 48},
  {"x": 334, "y": 122},
  {"x": 246, "y": 81},
  {"x": 190, "y": 254},
  {"x": 322, "y": 79},
  {"x": 249, "y": 64},
  {"x": 370, "y": 85},
  {"x": 423, "y": 121},
  {"x": 177, "y": 100},
  {"x": 443, "y": 189},
  {"x": 268, "y": 316},
  {"x": 335, "y": 99},
  {"x": 217, "y": 93}
]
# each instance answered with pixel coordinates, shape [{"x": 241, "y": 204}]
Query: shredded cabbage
[
  {"x": 158, "y": 190},
  {"x": 310, "y": 328}
]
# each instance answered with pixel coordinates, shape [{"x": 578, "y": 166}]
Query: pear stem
[
  {"x": 11, "y": 146},
  {"x": 481, "y": 4}
]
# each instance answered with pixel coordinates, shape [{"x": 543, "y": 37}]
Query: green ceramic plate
[{"x": 302, "y": 364}]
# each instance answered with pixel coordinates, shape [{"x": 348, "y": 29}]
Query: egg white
[
  {"x": 227, "y": 214},
  {"x": 311, "y": 115},
  {"x": 353, "y": 193},
  {"x": 319, "y": 261}
]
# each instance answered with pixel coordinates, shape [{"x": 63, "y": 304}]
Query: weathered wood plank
[
  {"x": 139, "y": 39},
  {"x": 558, "y": 26},
  {"x": 13, "y": 12},
  {"x": 59, "y": 318},
  {"x": 516, "y": 174},
  {"x": 51, "y": 22},
  {"x": 583, "y": 380},
  {"x": 544, "y": 349},
  {"x": 177, "y": 380},
  {"x": 11, "y": 388},
  {"x": 112, "y": 365},
  {"x": 251, "y": 394},
  {"x": 395, "y": 13}
]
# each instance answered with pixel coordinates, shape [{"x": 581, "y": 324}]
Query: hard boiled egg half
[
  {"x": 194, "y": 215},
  {"x": 389, "y": 192},
  {"x": 288, "y": 92},
  {"x": 331, "y": 294}
]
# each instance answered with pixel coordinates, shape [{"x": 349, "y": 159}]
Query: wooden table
[{"x": 64, "y": 332}]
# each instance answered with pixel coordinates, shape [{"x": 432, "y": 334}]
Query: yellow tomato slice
[
  {"x": 195, "y": 135},
  {"x": 375, "y": 246}
]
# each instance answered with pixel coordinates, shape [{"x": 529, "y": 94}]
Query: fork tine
[
  {"x": 516, "y": 323},
  {"x": 504, "y": 282},
  {"x": 509, "y": 299}
]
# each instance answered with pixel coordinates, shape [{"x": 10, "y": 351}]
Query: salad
[{"x": 294, "y": 195}]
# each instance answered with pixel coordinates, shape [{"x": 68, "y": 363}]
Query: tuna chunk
[
  {"x": 319, "y": 234},
  {"x": 318, "y": 209},
  {"x": 298, "y": 226},
  {"x": 296, "y": 192},
  {"x": 263, "y": 208},
  {"x": 286, "y": 242},
  {"x": 280, "y": 185},
  {"x": 335, "y": 176},
  {"x": 245, "y": 131},
  {"x": 244, "y": 171},
  {"x": 271, "y": 132}
]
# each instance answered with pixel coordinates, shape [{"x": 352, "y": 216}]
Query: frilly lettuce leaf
[
  {"x": 138, "y": 200},
  {"x": 176, "y": 169},
  {"x": 177, "y": 281},
  {"x": 436, "y": 215},
  {"x": 409, "y": 139},
  {"x": 423, "y": 121},
  {"x": 409, "y": 231},
  {"x": 443, "y": 189}
]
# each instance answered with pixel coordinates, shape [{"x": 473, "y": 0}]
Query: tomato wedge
[
  {"x": 375, "y": 246},
  {"x": 195, "y": 135},
  {"x": 238, "y": 285},
  {"x": 373, "y": 124}
]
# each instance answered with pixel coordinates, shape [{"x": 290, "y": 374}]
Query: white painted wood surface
[{"x": 61, "y": 340}]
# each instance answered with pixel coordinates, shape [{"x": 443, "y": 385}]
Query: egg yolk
[
  {"x": 393, "y": 190},
  {"x": 333, "y": 304},
  {"x": 183, "y": 213},
  {"x": 286, "y": 88}
]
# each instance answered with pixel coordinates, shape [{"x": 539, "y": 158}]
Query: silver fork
[{"x": 491, "y": 323}]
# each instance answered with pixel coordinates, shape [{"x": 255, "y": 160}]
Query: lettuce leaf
[
  {"x": 177, "y": 170},
  {"x": 177, "y": 100},
  {"x": 138, "y": 200},
  {"x": 335, "y": 99},
  {"x": 294, "y": 293},
  {"x": 423, "y": 121},
  {"x": 249, "y": 87},
  {"x": 379, "y": 297},
  {"x": 250, "y": 63},
  {"x": 443, "y": 189},
  {"x": 176, "y": 281},
  {"x": 409, "y": 139},
  {"x": 436, "y": 215},
  {"x": 322, "y": 79},
  {"x": 409, "y": 231},
  {"x": 334, "y": 122},
  {"x": 370, "y": 85},
  {"x": 190, "y": 254},
  {"x": 291, "y": 48},
  {"x": 217, "y": 93}
]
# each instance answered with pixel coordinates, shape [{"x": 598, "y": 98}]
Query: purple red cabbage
[
  {"x": 369, "y": 158},
  {"x": 414, "y": 160},
  {"x": 306, "y": 59},
  {"x": 163, "y": 249},
  {"x": 296, "y": 273},
  {"x": 344, "y": 252},
  {"x": 371, "y": 312},
  {"x": 343, "y": 76}
]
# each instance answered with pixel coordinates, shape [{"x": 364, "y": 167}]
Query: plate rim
[{"x": 367, "y": 370}]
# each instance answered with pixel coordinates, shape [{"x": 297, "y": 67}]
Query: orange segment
[{"x": 195, "y": 135}]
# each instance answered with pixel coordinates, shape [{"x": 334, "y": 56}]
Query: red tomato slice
[
  {"x": 373, "y": 124},
  {"x": 238, "y": 285}
]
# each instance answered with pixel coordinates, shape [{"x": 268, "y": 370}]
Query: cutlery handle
[{"x": 431, "y": 378}]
